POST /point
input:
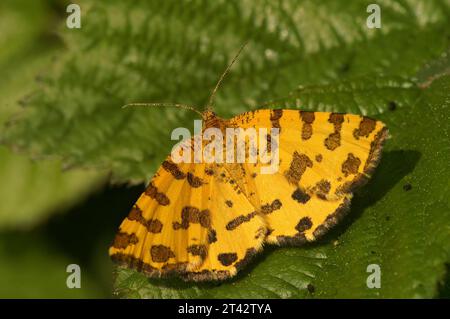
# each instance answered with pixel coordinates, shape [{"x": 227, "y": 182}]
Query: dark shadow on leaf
[
  {"x": 444, "y": 287},
  {"x": 94, "y": 223},
  {"x": 393, "y": 167}
]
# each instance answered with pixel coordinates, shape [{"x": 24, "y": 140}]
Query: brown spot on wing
[
  {"x": 123, "y": 240},
  {"x": 319, "y": 158},
  {"x": 152, "y": 225},
  {"x": 198, "y": 250},
  {"x": 299, "y": 164},
  {"x": 307, "y": 117},
  {"x": 366, "y": 126},
  {"x": 161, "y": 253},
  {"x": 205, "y": 218},
  {"x": 153, "y": 192},
  {"x": 136, "y": 214},
  {"x": 229, "y": 203},
  {"x": 304, "y": 224},
  {"x": 336, "y": 119},
  {"x": 212, "y": 236},
  {"x": 300, "y": 196},
  {"x": 307, "y": 129},
  {"x": 275, "y": 116},
  {"x": 269, "y": 208},
  {"x": 269, "y": 143},
  {"x": 333, "y": 141},
  {"x": 173, "y": 169},
  {"x": 194, "y": 181},
  {"x": 351, "y": 165},
  {"x": 190, "y": 214},
  {"x": 240, "y": 220},
  {"x": 227, "y": 259},
  {"x": 322, "y": 188}
]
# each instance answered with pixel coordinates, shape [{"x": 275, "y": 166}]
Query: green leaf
[
  {"x": 362, "y": 95},
  {"x": 30, "y": 192},
  {"x": 309, "y": 55}
]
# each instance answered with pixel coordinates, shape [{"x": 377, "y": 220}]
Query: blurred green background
[
  {"x": 73, "y": 162},
  {"x": 49, "y": 218}
]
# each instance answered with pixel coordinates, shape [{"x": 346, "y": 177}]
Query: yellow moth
[{"x": 205, "y": 221}]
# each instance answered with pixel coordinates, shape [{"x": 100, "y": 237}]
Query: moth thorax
[{"x": 211, "y": 120}]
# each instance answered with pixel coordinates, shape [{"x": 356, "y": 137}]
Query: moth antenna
[
  {"x": 180, "y": 106},
  {"x": 211, "y": 97}
]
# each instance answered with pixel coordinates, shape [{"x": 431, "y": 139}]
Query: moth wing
[
  {"x": 237, "y": 230},
  {"x": 323, "y": 158},
  {"x": 167, "y": 229}
]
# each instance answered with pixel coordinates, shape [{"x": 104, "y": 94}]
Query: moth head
[{"x": 210, "y": 119}]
